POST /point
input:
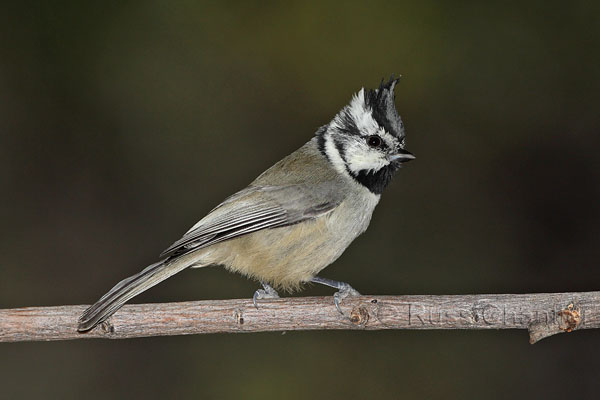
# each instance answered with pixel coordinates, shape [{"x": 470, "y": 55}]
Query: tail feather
[{"x": 125, "y": 291}]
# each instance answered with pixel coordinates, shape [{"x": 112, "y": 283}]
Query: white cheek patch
[{"x": 360, "y": 157}]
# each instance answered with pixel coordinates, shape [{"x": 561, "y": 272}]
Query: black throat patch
[{"x": 375, "y": 181}]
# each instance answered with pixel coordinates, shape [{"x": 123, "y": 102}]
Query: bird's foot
[
  {"x": 267, "y": 292},
  {"x": 344, "y": 290}
]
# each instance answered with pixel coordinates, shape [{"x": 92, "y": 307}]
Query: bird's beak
[{"x": 401, "y": 156}]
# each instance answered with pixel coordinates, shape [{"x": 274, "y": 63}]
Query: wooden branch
[{"x": 543, "y": 314}]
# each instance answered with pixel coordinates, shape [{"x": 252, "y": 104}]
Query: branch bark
[{"x": 542, "y": 314}]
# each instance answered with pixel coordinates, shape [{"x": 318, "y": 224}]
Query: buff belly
[{"x": 289, "y": 256}]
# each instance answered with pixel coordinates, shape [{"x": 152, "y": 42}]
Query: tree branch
[{"x": 543, "y": 314}]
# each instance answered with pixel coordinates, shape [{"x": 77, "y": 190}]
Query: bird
[{"x": 295, "y": 218}]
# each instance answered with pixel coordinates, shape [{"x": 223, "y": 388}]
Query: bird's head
[{"x": 366, "y": 138}]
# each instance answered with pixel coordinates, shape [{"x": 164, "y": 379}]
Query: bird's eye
[{"x": 374, "y": 141}]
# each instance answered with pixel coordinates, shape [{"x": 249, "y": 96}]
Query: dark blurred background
[{"x": 122, "y": 124}]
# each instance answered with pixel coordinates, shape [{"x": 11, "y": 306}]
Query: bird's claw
[
  {"x": 266, "y": 293},
  {"x": 345, "y": 291}
]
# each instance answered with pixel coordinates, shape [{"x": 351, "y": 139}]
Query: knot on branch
[
  {"x": 359, "y": 315},
  {"x": 569, "y": 318}
]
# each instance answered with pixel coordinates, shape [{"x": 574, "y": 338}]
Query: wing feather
[{"x": 252, "y": 209}]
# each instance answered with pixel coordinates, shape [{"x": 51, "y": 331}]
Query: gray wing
[{"x": 256, "y": 208}]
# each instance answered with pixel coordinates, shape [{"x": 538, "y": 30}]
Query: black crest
[{"x": 381, "y": 102}]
